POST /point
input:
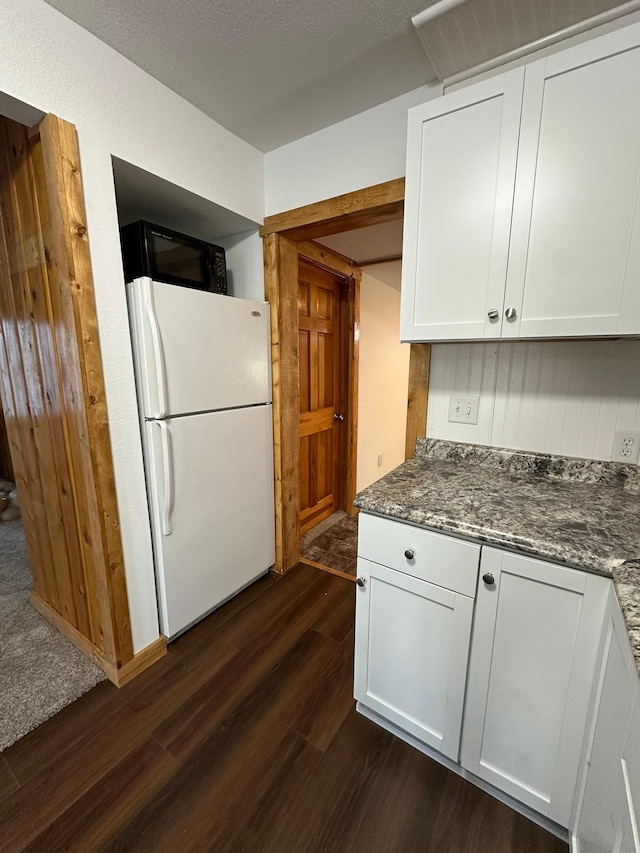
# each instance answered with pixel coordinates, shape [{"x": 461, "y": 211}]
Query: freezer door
[
  {"x": 210, "y": 483},
  {"x": 197, "y": 351}
]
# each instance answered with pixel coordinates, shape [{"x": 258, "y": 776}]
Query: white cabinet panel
[
  {"x": 461, "y": 159},
  {"x": 602, "y": 823},
  {"x": 442, "y": 560},
  {"x": 631, "y": 775},
  {"x": 574, "y": 267},
  {"x": 533, "y": 655},
  {"x": 412, "y": 646}
]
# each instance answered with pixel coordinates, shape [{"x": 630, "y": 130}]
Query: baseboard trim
[
  {"x": 324, "y": 568},
  {"x": 117, "y": 675},
  {"x": 142, "y": 660},
  {"x": 521, "y": 808}
]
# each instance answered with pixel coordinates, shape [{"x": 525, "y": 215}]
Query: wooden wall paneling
[
  {"x": 6, "y": 465},
  {"x": 417, "y": 396},
  {"x": 369, "y": 206},
  {"x": 26, "y": 302},
  {"x": 52, "y": 389},
  {"x": 281, "y": 290},
  {"x": 69, "y": 383},
  {"x": 69, "y": 257},
  {"x": 56, "y": 463},
  {"x": 17, "y": 415}
]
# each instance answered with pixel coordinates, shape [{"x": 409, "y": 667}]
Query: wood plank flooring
[{"x": 245, "y": 738}]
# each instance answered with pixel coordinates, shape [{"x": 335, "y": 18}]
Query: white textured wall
[
  {"x": 245, "y": 265},
  {"x": 383, "y": 381},
  {"x": 361, "y": 151},
  {"x": 557, "y": 397},
  {"x": 54, "y": 65}
]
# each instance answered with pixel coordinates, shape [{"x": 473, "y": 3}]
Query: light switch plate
[
  {"x": 626, "y": 446},
  {"x": 463, "y": 410}
]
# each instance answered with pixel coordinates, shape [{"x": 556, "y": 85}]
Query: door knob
[
  {"x": 338, "y": 417},
  {"x": 488, "y": 579},
  {"x": 493, "y": 314},
  {"x": 510, "y": 313}
]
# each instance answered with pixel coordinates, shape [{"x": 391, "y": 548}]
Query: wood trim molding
[
  {"x": 417, "y": 396},
  {"x": 281, "y": 291},
  {"x": 141, "y": 661},
  {"x": 326, "y": 258},
  {"x": 369, "y": 206},
  {"x": 117, "y": 675},
  {"x": 70, "y": 247},
  {"x": 324, "y": 568},
  {"x": 351, "y": 357}
]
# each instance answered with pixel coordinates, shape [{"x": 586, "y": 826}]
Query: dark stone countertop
[{"x": 575, "y": 512}]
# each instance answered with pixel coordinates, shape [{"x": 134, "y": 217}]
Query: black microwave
[{"x": 164, "y": 255}]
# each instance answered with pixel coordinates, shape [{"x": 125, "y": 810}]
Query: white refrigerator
[{"x": 203, "y": 376}]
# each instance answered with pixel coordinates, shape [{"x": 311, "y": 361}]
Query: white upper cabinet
[
  {"x": 461, "y": 161},
  {"x": 560, "y": 256},
  {"x": 574, "y": 264}
]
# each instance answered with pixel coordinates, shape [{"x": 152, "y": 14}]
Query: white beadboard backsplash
[{"x": 565, "y": 397}]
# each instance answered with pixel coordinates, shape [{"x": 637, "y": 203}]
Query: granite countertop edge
[{"x": 517, "y": 470}]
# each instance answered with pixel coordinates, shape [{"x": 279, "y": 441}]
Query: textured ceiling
[
  {"x": 269, "y": 71},
  {"x": 272, "y": 72}
]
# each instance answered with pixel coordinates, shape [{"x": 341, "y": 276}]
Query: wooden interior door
[{"x": 319, "y": 294}]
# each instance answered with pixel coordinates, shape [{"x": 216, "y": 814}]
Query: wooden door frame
[{"x": 287, "y": 237}]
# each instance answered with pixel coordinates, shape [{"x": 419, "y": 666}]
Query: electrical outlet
[
  {"x": 626, "y": 446},
  {"x": 463, "y": 410}
]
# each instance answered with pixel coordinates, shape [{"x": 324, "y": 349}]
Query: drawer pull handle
[
  {"x": 488, "y": 579},
  {"x": 409, "y": 553},
  {"x": 361, "y": 582}
]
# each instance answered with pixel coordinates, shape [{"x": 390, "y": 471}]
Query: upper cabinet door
[
  {"x": 574, "y": 264},
  {"x": 461, "y": 161}
]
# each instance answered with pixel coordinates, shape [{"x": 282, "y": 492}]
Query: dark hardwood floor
[{"x": 245, "y": 738}]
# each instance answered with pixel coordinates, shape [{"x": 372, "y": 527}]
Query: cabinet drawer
[{"x": 438, "y": 559}]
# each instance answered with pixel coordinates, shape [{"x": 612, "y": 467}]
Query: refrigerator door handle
[
  {"x": 167, "y": 477},
  {"x": 158, "y": 355}
]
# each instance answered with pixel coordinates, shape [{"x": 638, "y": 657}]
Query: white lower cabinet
[
  {"x": 412, "y": 646},
  {"x": 606, "y": 820},
  {"x": 503, "y": 690},
  {"x": 534, "y": 652}
]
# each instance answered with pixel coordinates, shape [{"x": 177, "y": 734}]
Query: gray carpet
[{"x": 40, "y": 671}]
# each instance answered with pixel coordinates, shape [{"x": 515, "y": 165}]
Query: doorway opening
[{"x": 332, "y": 229}]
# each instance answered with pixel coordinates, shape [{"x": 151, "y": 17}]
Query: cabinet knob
[
  {"x": 360, "y": 582},
  {"x": 510, "y": 313},
  {"x": 493, "y": 314},
  {"x": 488, "y": 579},
  {"x": 409, "y": 553}
]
